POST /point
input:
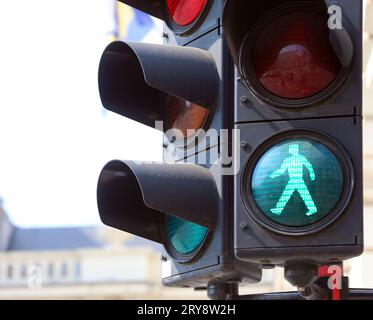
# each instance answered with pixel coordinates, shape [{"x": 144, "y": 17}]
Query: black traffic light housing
[
  {"x": 333, "y": 117},
  {"x": 338, "y": 99},
  {"x": 338, "y": 238},
  {"x": 136, "y": 81},
  {"x": 196, "y": 65}
]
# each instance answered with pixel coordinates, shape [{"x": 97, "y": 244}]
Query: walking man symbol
[{"x": 294, "y": 166}]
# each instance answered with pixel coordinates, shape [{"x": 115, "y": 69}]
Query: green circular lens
[
  {"x": 185, "y": 237},
  {"x": 297, "y": 182}
]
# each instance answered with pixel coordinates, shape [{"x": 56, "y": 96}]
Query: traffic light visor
[
  {"x": 137, "y": 198},
  {"x": 135, "y": 80}
]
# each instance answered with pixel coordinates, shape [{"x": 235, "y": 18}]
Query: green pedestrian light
[
  {"x": 294, "y": 166},
  {"x": 297, "y": 182}
]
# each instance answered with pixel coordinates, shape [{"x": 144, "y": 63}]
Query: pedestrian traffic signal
[
  {"x": 298, "y": 196},
  {"x": 298, "y": 182},
  {"x": 184, "y": 89},
  {"x": 260, "y": 103}
]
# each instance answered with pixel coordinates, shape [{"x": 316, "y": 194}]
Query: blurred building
[
  {"x": 84, "y": 263},
  {"x": 78, "y": 263},
  {"x": 361, "y": 268}
]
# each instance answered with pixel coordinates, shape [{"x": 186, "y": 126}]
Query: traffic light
[
  {"x": 184, "y": 88},
  {"x": 260, "y": 103},
  {"x": 298, "y": 106}
]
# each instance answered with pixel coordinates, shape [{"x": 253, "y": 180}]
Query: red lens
[
  {"x": 184, "y": 12},
  {"x": 184, "y": 116},
  {"x": 293, "y": 57}
]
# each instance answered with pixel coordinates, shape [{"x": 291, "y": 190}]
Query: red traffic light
[
  {"x": 185, "y": 12},
  {"x": 286, "y": 54},
  {"x": 292, "y": 55}
]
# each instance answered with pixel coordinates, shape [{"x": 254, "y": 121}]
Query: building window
[
  {"x": 51, "y": 270},
  {"x": 77, "y": 270},
  {"x": 10, "y": 272},
  {"x": 64, "y": 270},
  {"x": 24, "y": 271}
]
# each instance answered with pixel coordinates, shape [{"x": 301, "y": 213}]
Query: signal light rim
[
  {"x": 339, "y": 209},
  {"x": 246, "y": 66},
  {"x": 190, "y": 28},
  {"x": 181, "y": 257}
]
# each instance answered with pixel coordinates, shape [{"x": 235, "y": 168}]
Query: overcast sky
[{"x": 54, "y": 138}]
